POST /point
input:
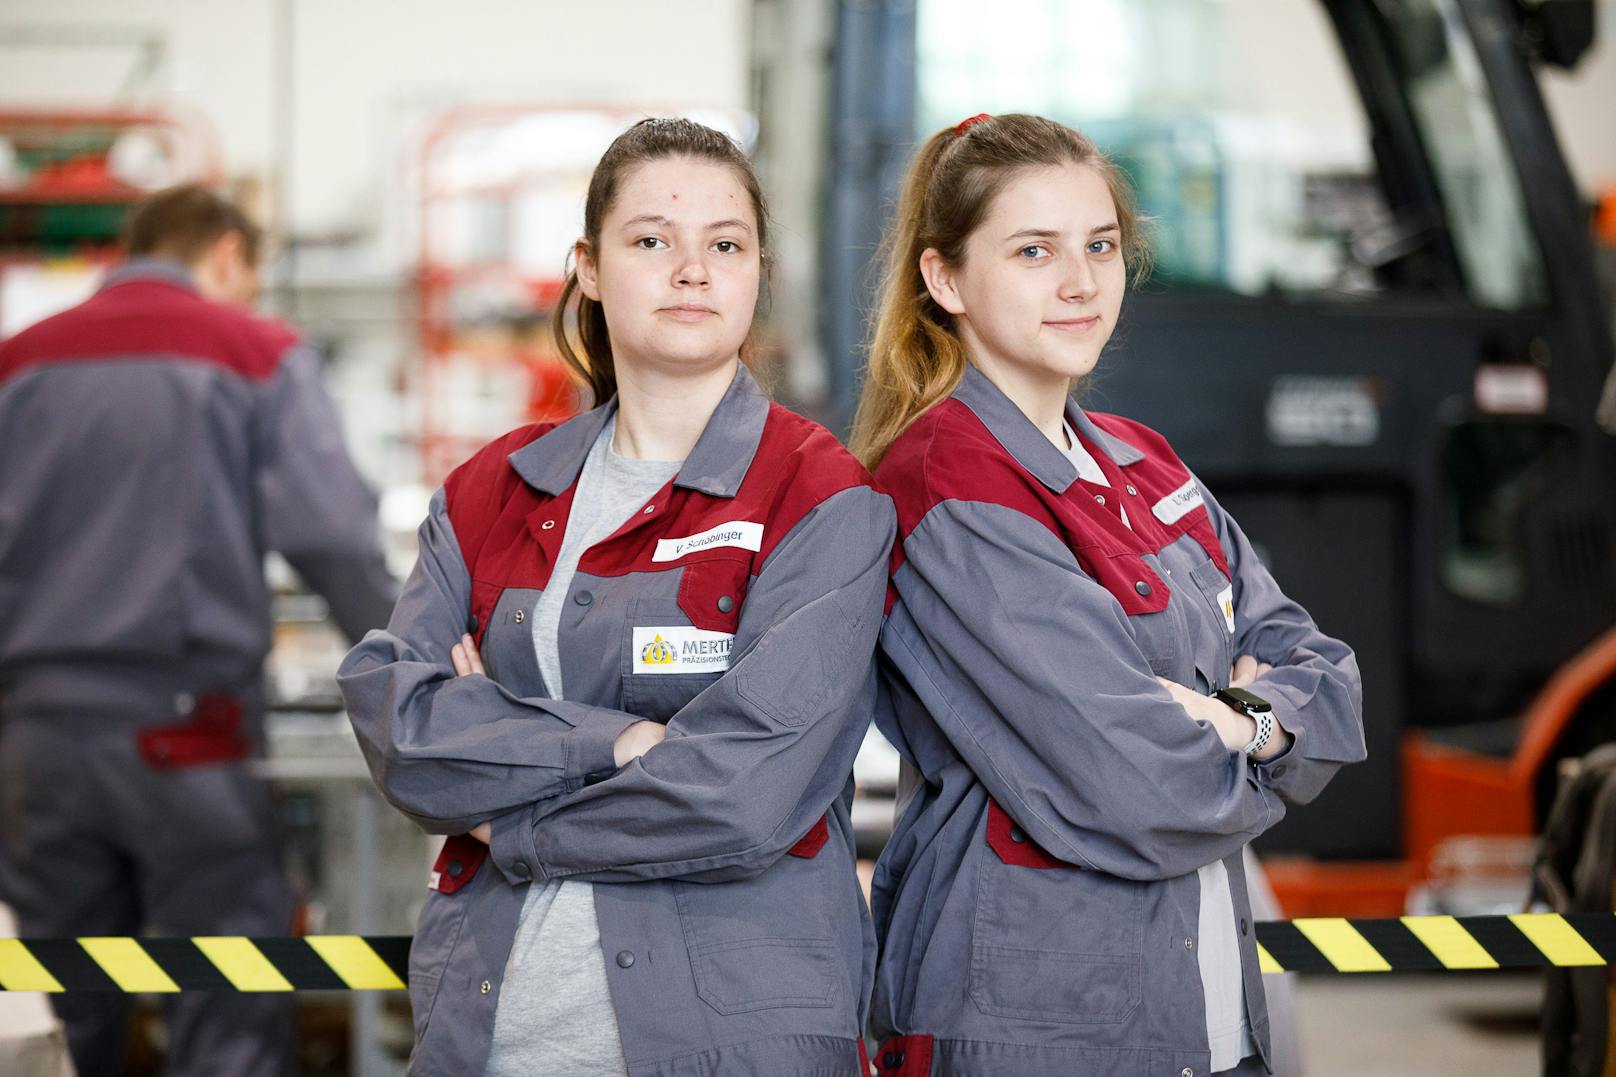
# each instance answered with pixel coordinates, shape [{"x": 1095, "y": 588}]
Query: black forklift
[{"x": 1387, "y": 362}]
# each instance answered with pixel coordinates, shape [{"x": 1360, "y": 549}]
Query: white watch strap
[{"x": 1265, "y": 729}]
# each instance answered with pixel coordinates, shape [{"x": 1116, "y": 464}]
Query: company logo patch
[
  {"x": 1226, "y": 604},
  {"x": 1173, "y": 507},
  {"x": 681, "y": 649},
  {"x": 741, "y": 534}
]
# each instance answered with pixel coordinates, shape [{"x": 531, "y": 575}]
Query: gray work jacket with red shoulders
[
  {"x": 1038, "y": 901},
  {"x": 153, "y": 447},
  {"x": 740, "y": 607}
]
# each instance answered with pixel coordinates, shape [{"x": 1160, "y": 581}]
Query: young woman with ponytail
[
  {"x": 1063, "y": 892},
  {"x": 629, "y": 675}
]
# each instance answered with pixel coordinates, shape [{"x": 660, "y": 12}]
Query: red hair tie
[{"x": 964, "y": 125}]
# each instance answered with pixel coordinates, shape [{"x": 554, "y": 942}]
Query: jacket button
[
  {"x": 1245, "y": 928},
  {"x": 583, "y": 598},
  {"x": 1186, "y": 1072},
  {"x": 1279, "y": 771},
  {"x": 455, "y": 868},
  {"x": 625, "y": 959},
  {"x": 547, "y": 525},
  {"x": 472, "y": 625},
  {"x": 649, "y": 509},
  {"x": 486, "y": 987},
  {"x": 519, "y": 617},
  {"x": 725, "y": 603},
  {"x": 1132, "y": 491},
  {"x": 1189, "y": 942},
  {"x": 1017, "y": 835},
  {"x": 892, "y": 1059},
  {"x": 1143, "y": 588},
  {"x": 521, "y": 868},
  {"x": 1100, "y": 498}
]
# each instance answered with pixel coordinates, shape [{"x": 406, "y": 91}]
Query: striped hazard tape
[
  {"x": 380, "y": 962},
  {"x": 1437, "y": 943},
  {"x": 221, "y": 963}
]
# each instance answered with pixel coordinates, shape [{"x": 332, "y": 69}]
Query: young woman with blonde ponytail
[
  {"x": 629, "y": 675},
  {"x": 1085, "y": 754}
]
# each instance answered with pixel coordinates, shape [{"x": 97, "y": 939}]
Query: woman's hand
[
  {"x": 465, "y": 657},
  {"x": 1246, "y": 669},
  {"x": 1234, "y": 728},
  {"x": 636, "y": 740}
]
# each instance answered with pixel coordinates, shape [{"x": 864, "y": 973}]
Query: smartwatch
[{"x": 1257, "y": 709}]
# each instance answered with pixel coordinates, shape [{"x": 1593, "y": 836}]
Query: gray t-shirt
[{"x": 555, "y": 1010}]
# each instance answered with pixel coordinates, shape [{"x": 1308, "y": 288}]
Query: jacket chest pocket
[
  {"x": 674, "y": 648},
  {"x": 1211, "y": 623},
  {"x": 1162, "y": 635},
  {"x": 507, "y": 642}
]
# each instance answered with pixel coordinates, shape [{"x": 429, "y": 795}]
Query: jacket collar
[
  {"x": 715, "y": 466},
  {"x": 150, "y": 270},
  {"x": 1012, "y": 429}
]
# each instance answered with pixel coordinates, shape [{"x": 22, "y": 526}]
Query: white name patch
[
  {"x": 1226, "y": 604},
  {"x": 1172, "y": 508},
  {"x": 741, "y": 534},
  {"x": 681, "y": 649}
]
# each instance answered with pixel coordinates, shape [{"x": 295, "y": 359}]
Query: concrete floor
[{"x": 1468, "y": 1025}]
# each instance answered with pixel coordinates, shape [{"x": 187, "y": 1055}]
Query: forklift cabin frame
[{"x": 1482, "y": 663}]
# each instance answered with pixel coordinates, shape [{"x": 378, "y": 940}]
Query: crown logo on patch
[{"x": 659, "y": 652}]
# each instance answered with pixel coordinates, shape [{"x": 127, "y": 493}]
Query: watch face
[{"x": 1246, "y": 701}]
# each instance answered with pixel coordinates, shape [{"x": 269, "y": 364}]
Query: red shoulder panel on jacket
[
  {"x": 142, "y": 320},
  {"x": 949, "y": 455},
  {"x": 475, "y": 493},
  {"x": 798, "y": 465}
]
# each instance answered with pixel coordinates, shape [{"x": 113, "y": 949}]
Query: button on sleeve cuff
[
  {"x": 1280, "y": 772},
  {"x": 511, "y": 846},
  {"x": 589, "y": 747}
]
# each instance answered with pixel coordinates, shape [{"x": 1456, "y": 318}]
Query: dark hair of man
[{"x": 182, "y": 222}]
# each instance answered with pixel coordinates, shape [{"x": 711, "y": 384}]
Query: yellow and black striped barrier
[
  {"x": 1438, "y": 943},
  {"x": 220, "y": 963},
  {"x": 380, "y": 962}
]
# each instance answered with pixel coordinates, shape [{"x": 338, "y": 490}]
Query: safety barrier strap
[
  {"x": 1438, "y": 943},
  {"x": 381, "y": 962},
  {"x": 218, "y": 963}
]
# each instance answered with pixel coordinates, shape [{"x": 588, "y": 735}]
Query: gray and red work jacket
[
  {"x": 153, "y": 447},
  {"x": 740, "y": 607},
  {"x": 1038, "y": 902}
]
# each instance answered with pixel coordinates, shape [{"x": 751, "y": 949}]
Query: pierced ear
[
  {"x": 584, "y": 262},
  {"x": 939, "y": 278}
]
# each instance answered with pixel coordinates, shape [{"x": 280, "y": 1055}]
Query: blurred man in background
[{"x": 155, "y": 442}]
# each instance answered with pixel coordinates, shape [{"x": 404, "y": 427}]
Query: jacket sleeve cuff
[
  {"x": 589, "y": 747},
  {"x": 511, "y": 846},
  {"x": 1290, "y": 773}
]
